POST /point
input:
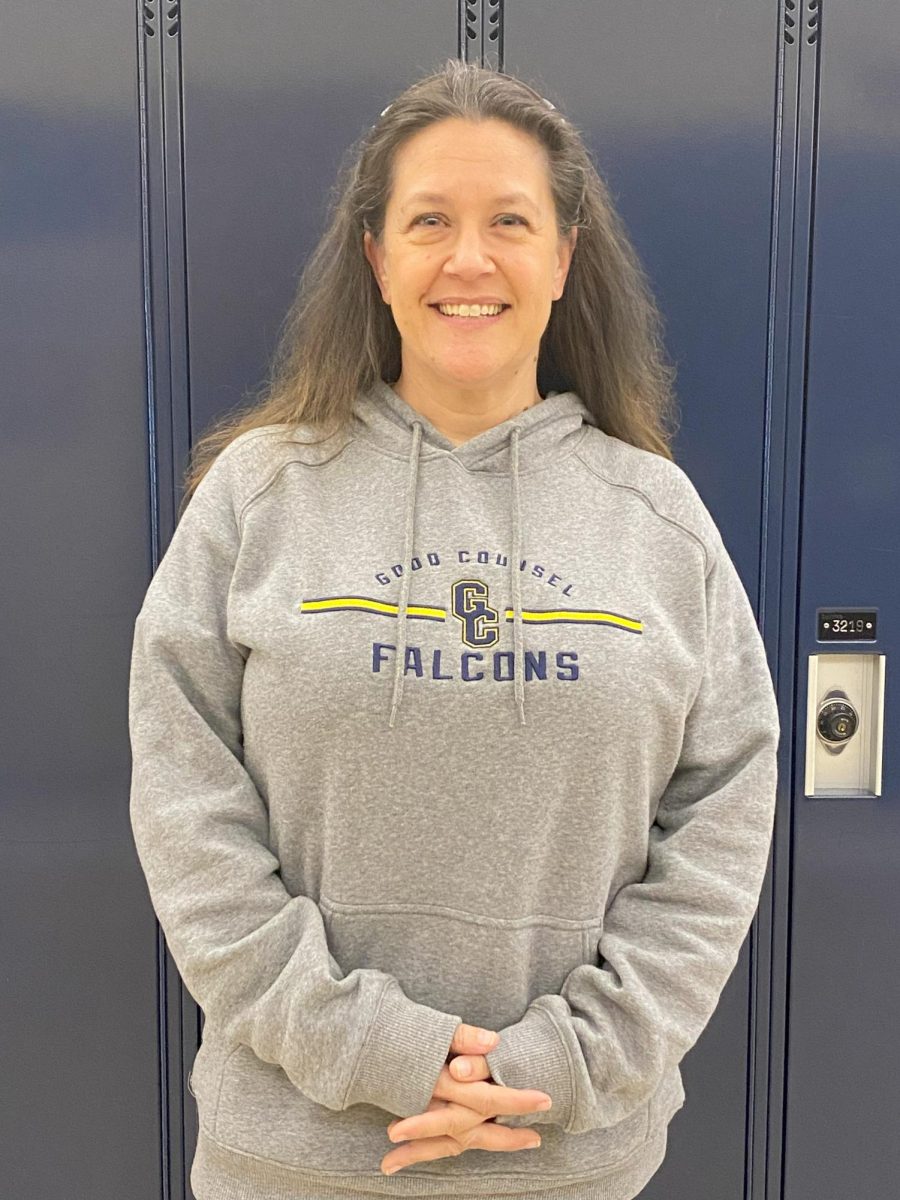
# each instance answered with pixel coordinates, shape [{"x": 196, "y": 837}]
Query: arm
[
  {"x": 253, "y": 956},
  {"x": 670, "y": 940}
]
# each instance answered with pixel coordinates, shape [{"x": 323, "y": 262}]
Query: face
[{"x": 470, "y": 241}]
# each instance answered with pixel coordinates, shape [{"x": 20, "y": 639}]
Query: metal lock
[{"x": 844, "y": 725}]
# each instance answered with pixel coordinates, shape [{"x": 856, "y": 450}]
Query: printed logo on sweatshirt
[
  {"x": 470, "y": 606},
  {"x": 479, "y": 624}
]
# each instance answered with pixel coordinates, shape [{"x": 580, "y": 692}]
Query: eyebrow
[{"x": 437, "y": 198}]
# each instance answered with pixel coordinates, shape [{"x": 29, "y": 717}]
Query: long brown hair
[{"x": 604, "y": 336}]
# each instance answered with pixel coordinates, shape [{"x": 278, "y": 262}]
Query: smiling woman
[{"x": 360, "y": 848}]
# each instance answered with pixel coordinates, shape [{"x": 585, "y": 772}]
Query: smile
[{"x": 468, "y": 322}]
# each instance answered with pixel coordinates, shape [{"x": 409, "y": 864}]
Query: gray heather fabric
[{"x": 424, "y": 734}]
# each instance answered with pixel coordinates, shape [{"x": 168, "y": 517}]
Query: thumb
[{"x": 468, "y": 1040}]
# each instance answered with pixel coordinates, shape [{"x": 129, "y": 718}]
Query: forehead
[
  {"x": 449, "y": 159},
  {"x": 419, "y": 197}
]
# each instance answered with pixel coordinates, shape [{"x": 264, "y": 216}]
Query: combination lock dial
[{"x": 837, "y": 720}]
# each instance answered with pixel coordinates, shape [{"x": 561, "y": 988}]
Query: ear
[
  {"x": 564, "y": 261},
  {"x": 375, "y": 255}
]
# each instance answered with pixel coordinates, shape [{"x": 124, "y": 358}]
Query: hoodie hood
[
  {"x": 545, "y": 431},
  {"x": 530, "y": 441}
]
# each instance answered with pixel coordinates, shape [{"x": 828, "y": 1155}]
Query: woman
[{"x": 449, "y": 712}]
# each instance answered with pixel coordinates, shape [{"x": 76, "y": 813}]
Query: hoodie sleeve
[
  {"x": 253, "y": 956},
  {"x": 670, "y": 940}
]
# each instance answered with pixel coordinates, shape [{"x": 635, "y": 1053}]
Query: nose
[{"x": 469, "y": 253}]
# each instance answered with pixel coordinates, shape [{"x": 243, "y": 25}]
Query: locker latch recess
[{"x": 844, "y": 724}]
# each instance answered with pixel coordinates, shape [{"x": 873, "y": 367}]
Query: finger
[
  {"x": 490, "y": 1136},
  {"x": 467, "y": 1039},
  {"x": 470, "y": 1067},
  {"x": 487, "y": 1098},
  {"x": 434, "y": 1105},
  {"x": 484, "y": 1136},
  {"x": 451, "y": 1119},
  {"x": 421, "y": 1151}
]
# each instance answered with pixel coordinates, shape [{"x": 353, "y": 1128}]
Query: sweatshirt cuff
[
  {"x": 532, "y": 1054},
  {"x": 401, "y": 1059}
]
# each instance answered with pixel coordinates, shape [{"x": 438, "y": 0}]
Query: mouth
[{"x": 470, "y": 322}]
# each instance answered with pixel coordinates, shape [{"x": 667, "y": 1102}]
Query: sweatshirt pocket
[
  {"x": 259, "y": 1111},
  {"x": 205, "y": 1073},
  {"x": 486, "y": 969}
]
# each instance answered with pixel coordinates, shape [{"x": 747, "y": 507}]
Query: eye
[{"x": 504, "y": 216}]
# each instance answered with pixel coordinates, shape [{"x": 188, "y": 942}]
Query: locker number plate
[{"x": 847, "y": 624}]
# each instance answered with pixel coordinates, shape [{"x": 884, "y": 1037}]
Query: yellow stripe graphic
[
  {"x": 331, "y": 603},
  {"x": 428, "y": 612},
  {"x": 570, "y": 615}
]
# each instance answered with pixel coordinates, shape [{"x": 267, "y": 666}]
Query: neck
[{"x": 461, "y": 413}]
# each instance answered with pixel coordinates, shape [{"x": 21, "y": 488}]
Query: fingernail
[
  {"x": 391, "y": 1170},
  {"x": 486, "y": 1039},
  {"x": 464, "y": 1068},
  {"x": 545, "y": 1104}
]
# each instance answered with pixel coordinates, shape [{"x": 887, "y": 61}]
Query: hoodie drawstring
[
  {"x": 407, "y": 569},
  {"x": 515, "y": 580}
]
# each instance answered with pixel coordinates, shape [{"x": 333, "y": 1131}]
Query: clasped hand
[{"x": 459, "y": 1114}]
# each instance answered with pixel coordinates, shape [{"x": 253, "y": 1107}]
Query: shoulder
[
  {"x": 250, "y": 463},
  {"x": 660, "y": 485}
]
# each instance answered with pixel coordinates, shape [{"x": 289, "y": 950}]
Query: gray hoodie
[{"x": 426, "y": 734}]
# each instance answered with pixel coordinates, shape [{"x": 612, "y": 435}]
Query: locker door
[
  {"x": 843, "y": 1060},
  {"x": 677, "y": 104}
]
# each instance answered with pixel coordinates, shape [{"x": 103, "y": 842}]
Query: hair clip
[{"x": 384, "y": 110}]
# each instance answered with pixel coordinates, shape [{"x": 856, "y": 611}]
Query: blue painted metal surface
[{"x": 157, "y": 212}]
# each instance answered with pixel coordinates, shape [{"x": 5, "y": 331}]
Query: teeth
[{"x": 470, "y": 310}]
